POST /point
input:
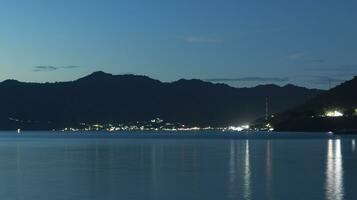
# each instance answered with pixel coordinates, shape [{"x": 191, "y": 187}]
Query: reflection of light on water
[
  {"x": 232, "y": 162},
  {"x": 334, "y": 171},
  {"x": 239, "y": 169},
  {"x": 232, "y": 169},
  {"x": 246, "y": 176},
  {"x": 353, "y": 145},
  {"x": 268, "y": 167}
]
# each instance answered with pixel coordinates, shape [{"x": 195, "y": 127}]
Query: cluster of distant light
[
  {"x": 239, "y": 128},
  {"x": 340, "y": 113},
  {"x": 334, "y": 113},
  {"x": 264, "y": 127},
  {"x": 158, "y": 124},
  {"x": 142, "y": 128},
  {"x": 155, "y": 125},
  {"x": 337, "y": 113}
]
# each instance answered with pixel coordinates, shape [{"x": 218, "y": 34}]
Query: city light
[
  {"x": 334, "y": 113},
  {"x": 239, "y": 128}
]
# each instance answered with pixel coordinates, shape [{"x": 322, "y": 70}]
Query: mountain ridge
[
  {"x": 106, "y": 98},
  {"x": 97, "y": 74}
]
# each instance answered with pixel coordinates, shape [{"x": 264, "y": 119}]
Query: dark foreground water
[{"x": 177, "y": 166}]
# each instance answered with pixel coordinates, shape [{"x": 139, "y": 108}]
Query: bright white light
[
  {"x": 245, "y": 126},
  {"x": 334, "y": 113},
  {"x": 334, "y": 171},
  {"x": 233, "y": 128},
  {"x": 247, "y": 172},
  {"x": 239, "y": 128}
]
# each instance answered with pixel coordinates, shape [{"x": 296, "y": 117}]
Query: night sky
[{"x": 241, "y": 43}]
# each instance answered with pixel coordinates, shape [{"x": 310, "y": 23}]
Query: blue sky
[{"x": 241, "y": 43}]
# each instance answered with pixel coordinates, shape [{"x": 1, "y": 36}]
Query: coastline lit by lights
[{"x": 160, "y": 125}]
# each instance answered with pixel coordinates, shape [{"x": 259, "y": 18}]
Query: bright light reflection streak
[
  {"x": 353, "y": 145},
  {"x": 247, "y": 173},
  {"x": 232, "y": 169},
  {"x": 334, "y": 171},
  {"x": 234, "y": 158}
]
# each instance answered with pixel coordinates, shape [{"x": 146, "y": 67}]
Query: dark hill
[
  {"x": 107, "y": 98},
  {"x": 310, "y": 116}
]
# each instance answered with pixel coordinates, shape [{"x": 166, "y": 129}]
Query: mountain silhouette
[
  {"x": 105, "y": 98},
  {"x": 309, "y": 116}
]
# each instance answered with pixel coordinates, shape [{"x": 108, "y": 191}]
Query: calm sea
[{"x": 177, "y": 166}]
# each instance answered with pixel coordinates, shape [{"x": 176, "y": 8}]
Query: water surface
[{"x": 164, "y": 165}]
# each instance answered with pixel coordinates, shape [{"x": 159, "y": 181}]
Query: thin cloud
[
  {"x": 52, "y": 68},
  {"x": 250, "y": 79},
  {"x": 201, "y": 39},
  {"x": 44, "y": 68}
]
